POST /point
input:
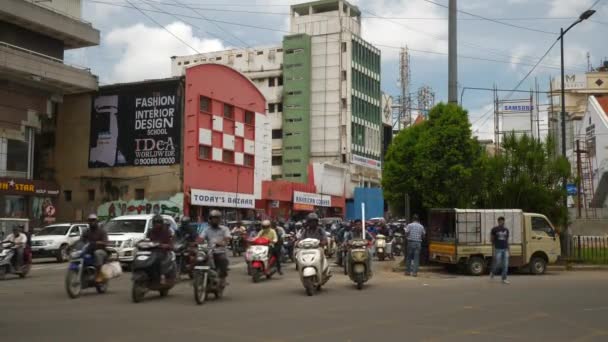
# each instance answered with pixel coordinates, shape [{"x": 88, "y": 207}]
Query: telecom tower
[
  {"x": 403, "y": 115},
  {"x": 426, "y": 100}
]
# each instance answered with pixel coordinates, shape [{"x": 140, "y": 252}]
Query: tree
[
  {"x": 436, "y": 162},
  {"x": 526, "y": 174}
]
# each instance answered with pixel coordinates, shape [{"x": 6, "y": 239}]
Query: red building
[{"x": 222, "y": 108}]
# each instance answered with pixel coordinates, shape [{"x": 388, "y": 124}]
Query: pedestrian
[
  {"x": 500, "y": 242},
  {"x": 414, "y": 233}
]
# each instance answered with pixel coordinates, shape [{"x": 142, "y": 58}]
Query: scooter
[
  {"x": 146, "y": 271},
  {"x": 380, "y": 247},
  {"x": 397, "y": 244},
  {"x": 7, "y": 262},
  {"x": 330, "y": 247},
  {"x": 312, "y": 265},
  {"x": 82, "y": 272},
  {"x": 237, "y": 244},
  {"x": 206, "y": 278},
  {"x": 262, "y": 262},
  {"x": 358, "y": 262}
]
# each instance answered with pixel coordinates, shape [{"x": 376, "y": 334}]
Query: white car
[
  {"x": 124, "y": 232},
  {"x": 55, "y": 240}
]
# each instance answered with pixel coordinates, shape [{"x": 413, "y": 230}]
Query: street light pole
[{"x": 584, "y": 16}]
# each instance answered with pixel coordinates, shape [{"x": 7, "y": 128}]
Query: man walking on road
[
  {"x": 415, "y": 233},
  {"x": 500, "y": 241}
]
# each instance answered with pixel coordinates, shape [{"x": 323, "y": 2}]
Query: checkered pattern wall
[{"x": 228, "y": 134}]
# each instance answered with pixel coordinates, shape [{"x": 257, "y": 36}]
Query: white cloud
[
  {"x": 98, "y": 12},
  {"x": 569, "y": 8},
  {"x": 146, "y": 51},
  {"x": 422, "y": 35},
  {"x": 482, "y": 121}
]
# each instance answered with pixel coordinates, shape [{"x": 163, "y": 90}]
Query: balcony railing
[{"x": 41, "y": 55}]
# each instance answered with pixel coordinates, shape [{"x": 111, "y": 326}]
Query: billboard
[{"x": 136, "y": 125}]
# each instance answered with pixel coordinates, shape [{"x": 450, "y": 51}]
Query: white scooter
[
  {"x": 380, "y": 247},
  {"x": 312, "y": 264}
]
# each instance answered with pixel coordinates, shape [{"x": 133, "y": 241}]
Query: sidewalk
[{"x": 550, "y": 268}]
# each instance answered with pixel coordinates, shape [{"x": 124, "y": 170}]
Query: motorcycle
[
  {"x": 146, "y": 271},
  {"x": 206, "y": 278},
  {"x": 288, "y": 247},
  {"x": 358, "y": 263},
  {"x": 380, "y": 247},
  {"x": 262, "y": 261},
  {"x": 185, "y": 256},
  {"x": 398, "y": 244},
  {"x": 330, "y": 247},
  {"x": 7, "y": 262},
  {"x": 237, "y": 244},
  {"x": 82, "y": 273},
  {"x": 312, "y": 265}
]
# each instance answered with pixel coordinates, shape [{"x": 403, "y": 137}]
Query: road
[{"x": 568, "y": 306}]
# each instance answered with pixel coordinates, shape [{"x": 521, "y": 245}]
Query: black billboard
[{"x": 136, "y": 125}]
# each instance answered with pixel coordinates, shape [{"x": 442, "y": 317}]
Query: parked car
[
  {"x": 124, "y": 232},
  {"x": 54, "y": 241}
]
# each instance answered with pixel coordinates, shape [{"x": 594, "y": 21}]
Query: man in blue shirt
[
  {"x": 500, "y": 241},
  {"x": 414, "y": 233}
]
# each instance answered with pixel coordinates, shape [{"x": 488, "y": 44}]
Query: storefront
[{"x": 31, "y": 199}]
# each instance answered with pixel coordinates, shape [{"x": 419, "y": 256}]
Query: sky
[{"x": 497, "y": 52}]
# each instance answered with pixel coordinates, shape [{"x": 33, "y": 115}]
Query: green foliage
[
  {"x": 439, "y": 165},
  {"x": 435, "y": 162},
  {"x": 526, "y": 175}
]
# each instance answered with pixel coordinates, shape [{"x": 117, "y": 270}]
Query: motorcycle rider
[
  {"x": 218, "y": 237},
  {"x": 19, "y": 239},
  {"x": 313, "y": 230},
  {"x": 186, "y": 232},
  {"x": 162, "y": 234},
  {"x": 97, "y": 238},
  {"x": 269, "y": 232},
  {"x": 239, "y": 229}
]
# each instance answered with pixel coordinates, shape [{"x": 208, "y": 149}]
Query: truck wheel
[
  {"x": 538, "y": 265},
  {"x": 476, "y": 266},
  {"x": 62, "y": 253}
]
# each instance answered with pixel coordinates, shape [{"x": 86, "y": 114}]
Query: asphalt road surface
[{"x": 568, "y": 306}]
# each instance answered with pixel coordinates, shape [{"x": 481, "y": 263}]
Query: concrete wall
[
  {"x": 589, "y": 227},
  {"x": 73, "y": 174},
  {"x": 30, "y": 40}
]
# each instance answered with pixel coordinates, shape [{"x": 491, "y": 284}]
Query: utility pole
[
  {"x": 452, "y": 54},
  {"x": 579, "y": 172}
]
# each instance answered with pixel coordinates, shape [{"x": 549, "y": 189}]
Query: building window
[
  {"x": 16, "y": 155},
  {"x": 344, "y": 103},
  {"x": 271, "y": 81},
  {"x": 248, "y": 160},
  {"x": 271, "y": 107},
  {"x": 277, "y": 134},
  {"x": 228, "y": 111},
  {"x": 91, "y": 193},
  {"x": 239, "y": 55},
  {"x": 219, "y": 58},
  {"x": 280, "y": 81},
  {"x": 204, "y": 152},
  {"x": 280, "y": 107},
  {"x": 249, "y": 117},
  {"x": 140, "y": 194},
  {"x": 343, "y": 75},
  {"x": 228, "y": 156},
  {"x": 343, "y": 46},
  {"x": 186, "y": 62},
  {"x": 277, "y": 160},
  {"x": 67, "y": 195},
  {"x": 260, "y": 53},
  {"x": 205, "y": 104}
]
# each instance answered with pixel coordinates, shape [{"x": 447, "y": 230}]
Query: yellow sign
[
  {"x": 17, "y": 186},
  {"x": 442, "y": 248}
]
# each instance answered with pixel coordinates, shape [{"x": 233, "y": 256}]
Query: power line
[
  {"x": 494, "y": 20},
  {"x": 215, "y": 24},
  {"x": 164, "y": 28}
]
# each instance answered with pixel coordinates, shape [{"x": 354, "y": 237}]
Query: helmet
[
  {"x": 215, "y": 213},
  {"x": 157, "y": 219},
  {"x": 266, "y": 223},
  {"x": 312, "y": 216},
  {"x": 186, "y": 219}
]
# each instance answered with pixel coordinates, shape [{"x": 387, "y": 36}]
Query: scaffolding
[{"x": 586, "y": 206}]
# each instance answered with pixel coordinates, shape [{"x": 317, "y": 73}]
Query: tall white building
[{"x": 322, "y": 86}]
